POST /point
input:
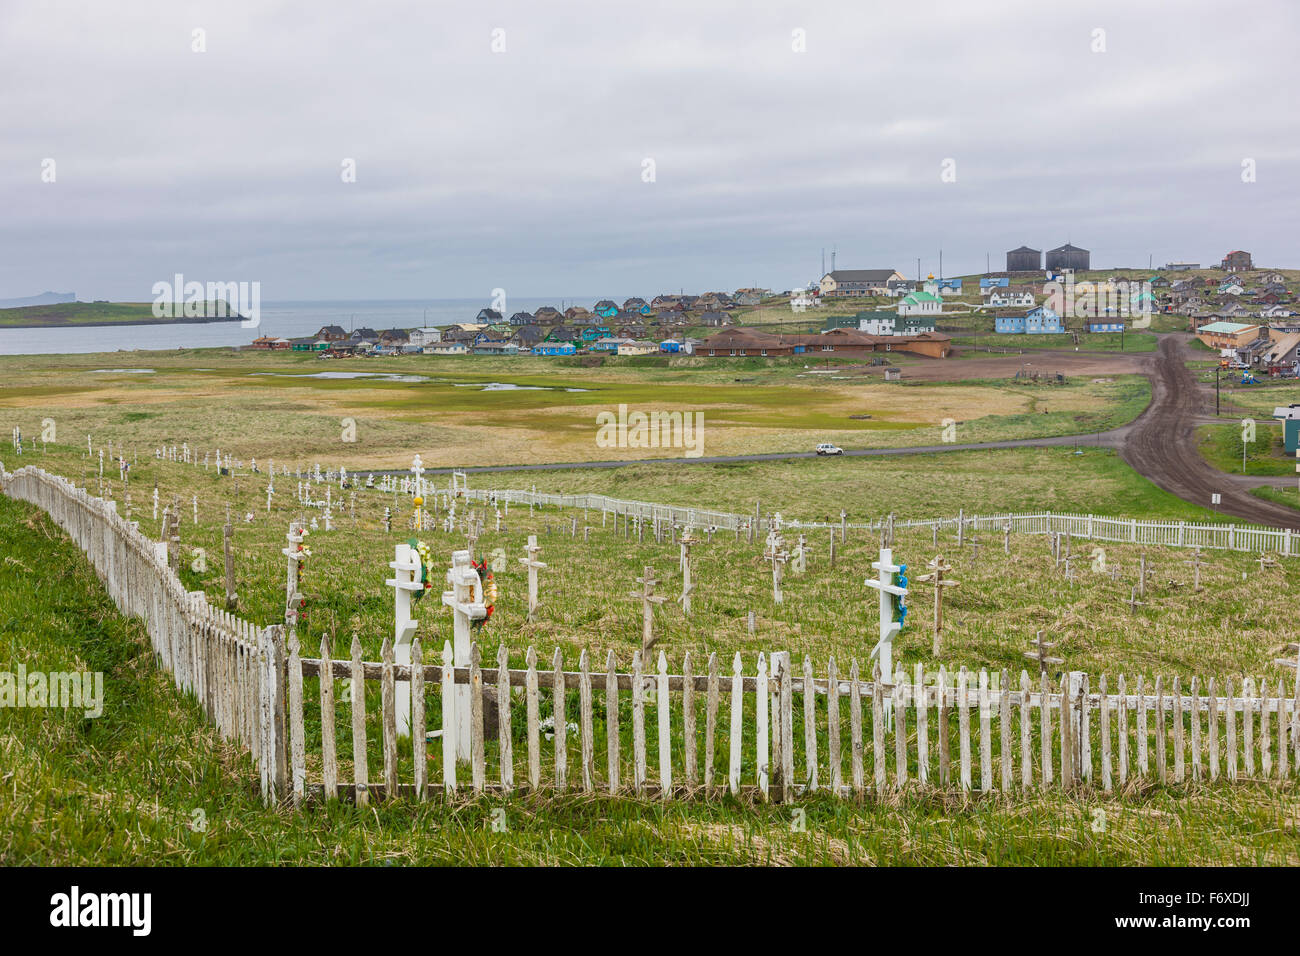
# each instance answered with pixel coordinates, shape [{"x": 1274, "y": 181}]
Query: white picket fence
[
  {"x": 713, "y": 731},
  {"x": 777, "y": 734},
  {"x": 1174, "y": 534}
]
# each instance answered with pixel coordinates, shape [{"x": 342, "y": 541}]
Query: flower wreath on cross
[{"x": 489, "y": 585}]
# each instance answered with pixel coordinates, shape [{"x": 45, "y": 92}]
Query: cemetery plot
[{"x": 600, "y": 600}]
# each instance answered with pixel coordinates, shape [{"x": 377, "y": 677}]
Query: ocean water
[{"x": 287, "y": 319}]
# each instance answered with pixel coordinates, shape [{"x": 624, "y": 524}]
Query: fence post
[{"x": 274, "y": 769}]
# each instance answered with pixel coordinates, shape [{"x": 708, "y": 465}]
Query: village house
[
  {"x": 548, "y": 315},
  {"x": 487, "y": 316},
  {"x": 331, "y": 333},
  {"x": 270, "y": 343},
  {"x": 1009, "y": 298},
  {"x": 1283, "y": 350},
  {"x": 394, "y": 337},
  {"x": 638, "y": 348},
  {"x": 1234, "y": 310},
  {"x": 636, "y": 304},
  {"x": 606, "y": 308},
  {"x": 714, "y": 301},
  {"x": 873, "y": 323},
  {"x": 577, "y": 314},
  {"x": 1037, "y": 321},
  {"x": 846, "y": 283},
  {"x": 422, "y": 337},
  {"x": 714, "y": 320},
  {"x": 463, "y": 332},
  {"x": 896, "y": 287},
  {"x": 523, "y": 318},
  {"x": 989, "y": 283},
  {"x": 308, "y": 344},
  {"x": 555, "y": 348},
  {"x": 527, "y": 336},
  {"x": 563, "y": 333},
  {"x": 1182, "y": 266},
  {"x": 749, "y": 297},
  {"x": 447, "y": 347}
]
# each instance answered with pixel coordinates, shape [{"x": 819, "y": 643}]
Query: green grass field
[{"x": 1222, "y": 446}]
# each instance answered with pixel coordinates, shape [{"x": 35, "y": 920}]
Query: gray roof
[{"x": 862, "y": 275}]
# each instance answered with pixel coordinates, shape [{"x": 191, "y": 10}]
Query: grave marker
[
  {"x": 936, "y": 576},
  {"x": 648, "y": 602},
  {"x": 466, "y": 601},
  {"x": 405, "y": 582},
  {"x": 533, "y": 566}
]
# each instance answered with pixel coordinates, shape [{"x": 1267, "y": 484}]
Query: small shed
[{"x": 893, "y": 375}]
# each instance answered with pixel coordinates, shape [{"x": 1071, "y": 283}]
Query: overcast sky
[{"x": 524, "y": 169}]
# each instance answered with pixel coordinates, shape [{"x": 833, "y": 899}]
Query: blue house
[
  {"x": 995, "y": 282},
  {"x": 1103, "y": 325},
  {"x": 1037, "y": 321},
  {"x": 554, "y": 348},
  {"x": 949, "y": 286}
]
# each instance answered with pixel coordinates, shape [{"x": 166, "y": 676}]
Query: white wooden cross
[
  {"x": 270, "y": 490},
  {"x": 466, "y": 599},
  {"x": 294, "y": 554},
  {"x": 533, "y": 566},
  {"x": 776, "y": 553},
  {"x": 405, "y": 582},
  {"x": 417, "y": 469},
  {"x": 155, "y": 502},
  {"x": 196, "y": 508},
  {"x": 889, "y": 628}
]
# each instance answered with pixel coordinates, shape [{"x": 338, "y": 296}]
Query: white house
[
  {"x": 1008, "y": 298},
  {"x": 422, "y": 337},
  {"x": 446, "y": 348},
  {"x": 877, "y": 323},
  {"x": 803, "y": 299},
  {"x": 1276, "y": 312}
]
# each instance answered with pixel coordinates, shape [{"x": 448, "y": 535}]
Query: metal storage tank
[
  {"x": 1024, "y": 259},
  {"x": 1068, "y": 257}
]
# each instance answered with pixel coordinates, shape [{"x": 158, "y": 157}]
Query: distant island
[
  {"x": 45, "y": 298},
  {"x": 84, "y": 314}
]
